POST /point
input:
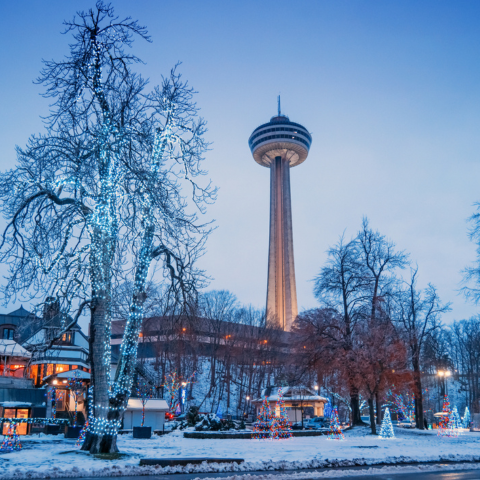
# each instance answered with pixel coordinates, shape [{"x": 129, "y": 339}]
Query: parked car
[
  {"x": 297, "y": 426},
  {"x": 316, "y": 423}
]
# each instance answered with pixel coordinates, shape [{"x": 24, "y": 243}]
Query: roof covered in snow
[
  {"x": 74, "y": 374},
  {"x": 10, "y": 348},
  {"x": 291, "y": 394},
  {"x": 15, "y": 404},
  {"x": 154, "y": 404}
]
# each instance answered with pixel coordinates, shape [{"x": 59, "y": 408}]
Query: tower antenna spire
[{"x": 279, "y": 109}]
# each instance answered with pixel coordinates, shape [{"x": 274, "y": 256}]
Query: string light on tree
[
  {"x": 262, "y": 427},
  {"x": 386, "y": 429},
  {"x": 173, "y": 383},
  {"x": 454, "y": 424},
  {"x": 443, "y": 424},
  {"x": 280, "y": 426},
  {"x": 335, "y": 429},
  {"x": 466, "y": 418},
  {"x": 11, "y": 441}
]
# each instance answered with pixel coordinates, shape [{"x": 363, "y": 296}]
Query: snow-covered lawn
[{"x": 56, "y": 457}]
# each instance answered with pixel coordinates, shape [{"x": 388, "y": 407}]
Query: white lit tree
[
  {"x": 386, "y": 430},
  {"x": 466, "y": 418},
  {"x": 98, "y": 197}
]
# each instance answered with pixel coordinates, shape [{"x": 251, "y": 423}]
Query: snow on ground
[{"x": 51, "y": 456}]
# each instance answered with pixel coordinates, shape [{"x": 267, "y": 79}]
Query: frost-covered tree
[{"x": 98, "y": 197}]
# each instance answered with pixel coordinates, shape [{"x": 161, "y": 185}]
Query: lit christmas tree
[
  {"x": 335, "y": 430},
  {"x": 454, "y": 423},
  {"x": 455, "y": 419},
  {"x": 443, "y": 424},
  {"x": 281, "y": 425},
  {"x": 386, "y": 430},
  {"x": 466, "y": 418},
  {"x": 11, "y": 442},
  {"x": 262, "y": 427}
]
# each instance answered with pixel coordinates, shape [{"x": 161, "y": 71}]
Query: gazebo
[{"x": 300, "y": 402}]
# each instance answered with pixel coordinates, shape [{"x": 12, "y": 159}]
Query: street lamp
[{"x": 444, "y": 374}]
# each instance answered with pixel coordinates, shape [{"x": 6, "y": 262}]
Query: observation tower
[{"x": 279, "y": 145}]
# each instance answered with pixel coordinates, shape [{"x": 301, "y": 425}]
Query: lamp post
[
  {"x": 315, "y": 387},
  {"x": 444, "y": 374},
  {"x": 248, "y": 404}
]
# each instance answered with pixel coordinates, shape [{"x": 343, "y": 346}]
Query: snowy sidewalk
[{"x": 48, "y": 456}]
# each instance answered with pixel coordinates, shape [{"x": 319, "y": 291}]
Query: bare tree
[
  {"x": 418, "y": 315},
  {"x": 100, "y": 195},
  {"x": 382, "y": 361},
  {"x": 381, "y": 261},
  {"x": 343, "y": 285}
]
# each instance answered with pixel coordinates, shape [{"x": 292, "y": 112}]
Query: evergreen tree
[
  {"x": 261, "y": 428},
  {"x": 454, "y": 423},
  {"x": 455, "y": 419},
  {"x": 281, "y": 425},
  {"x": 466, "y": 418},
  {"x": 335, "y": 430},
  {"x": 386, "y": 430}
]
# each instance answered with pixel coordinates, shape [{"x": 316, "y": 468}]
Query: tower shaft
[{"x": 281, "y": 289}]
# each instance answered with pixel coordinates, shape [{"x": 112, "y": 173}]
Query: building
[
  {"x": 280, "y": 145},
  {"x": 301, "y": 402},
  {"x": 155, "y": 410},
  {"x": 68, "y": 353},
  {"x": 26, "y": 364}
]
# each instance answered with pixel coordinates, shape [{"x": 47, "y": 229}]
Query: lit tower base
[{"x": 280, "y": 145}]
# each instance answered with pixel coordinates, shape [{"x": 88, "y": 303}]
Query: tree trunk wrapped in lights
[{"x": 102, "y": 189}]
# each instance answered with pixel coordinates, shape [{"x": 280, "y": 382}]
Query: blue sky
[{"x": 388, "y": 89}]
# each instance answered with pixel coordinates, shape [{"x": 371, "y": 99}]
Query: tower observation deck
[{"x": 279, "y": 145}]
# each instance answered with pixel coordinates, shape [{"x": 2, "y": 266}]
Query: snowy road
[{"x": 445, "y": 472}]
